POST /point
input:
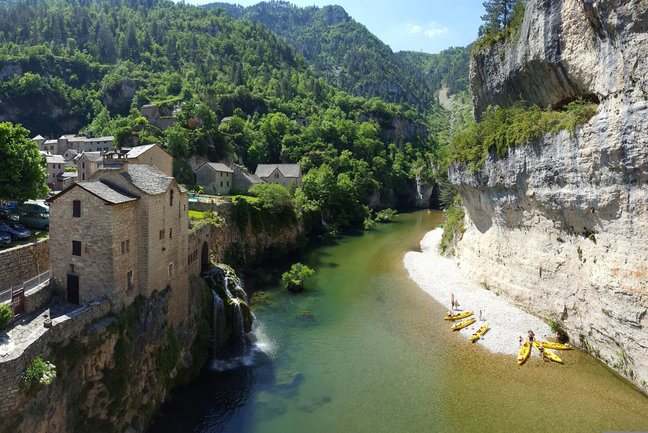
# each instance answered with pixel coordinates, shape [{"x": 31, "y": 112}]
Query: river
[{"x": 364, "y": 349}]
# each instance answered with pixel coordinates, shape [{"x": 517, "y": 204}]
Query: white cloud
[
  {"x": 434, "y": 29},
  {"x": 414, "y": 28}
]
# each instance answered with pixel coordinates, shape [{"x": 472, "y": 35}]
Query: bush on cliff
[
  {"x": 294, "y": 279},
  {"x": 5, "y": 316},
  {"x": 503, "y": 128},
  {"x": 453, "y": 227}
]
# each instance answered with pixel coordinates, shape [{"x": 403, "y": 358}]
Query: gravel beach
[{"x": 441, "y": 277}]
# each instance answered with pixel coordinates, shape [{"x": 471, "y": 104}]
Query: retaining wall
[{"x": 21, "y": 263}]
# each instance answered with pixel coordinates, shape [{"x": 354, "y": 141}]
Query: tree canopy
[{"x": 23, "y": 167}]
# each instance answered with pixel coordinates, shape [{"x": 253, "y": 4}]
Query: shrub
[
  {"x": 556, "y": 327},
  {"x": 369, "y": 224},
  {"x": 385, "y": 215},
  {"x": 503, "y": 128},
  {"x": 453, "y": 227},
  {"x": 39, "y": 371},
  {"x": 5, "y": 316},
  {"x": 295, "y": 278}
]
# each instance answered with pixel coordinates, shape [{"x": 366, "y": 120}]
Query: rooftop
[
  {"x": 138, "y": 150},
  {"x": 148, "y": 178},
  {"x": 287, "y": 170},
  {"x": 106, "y": 191},
  {"x": 217, "y": 166}
]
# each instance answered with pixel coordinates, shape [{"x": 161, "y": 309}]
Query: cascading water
[{"x": 233, "y": 319}]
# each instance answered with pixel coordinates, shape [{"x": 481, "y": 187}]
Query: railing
[{"x": 7, "y": 295}]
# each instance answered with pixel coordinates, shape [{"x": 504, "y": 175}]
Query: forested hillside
[
  {"x": 89, "y": 66},
  {"x": 353, "y": 59}
]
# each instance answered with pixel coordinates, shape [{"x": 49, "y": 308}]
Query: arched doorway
[{"x": 205, "y": 265}]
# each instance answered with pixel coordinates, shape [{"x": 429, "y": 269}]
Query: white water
[
  {"x": 248, "y": 346},
  {"x": 441, "y": 277}
]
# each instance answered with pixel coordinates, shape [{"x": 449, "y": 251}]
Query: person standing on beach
[
  {"x": 520, "y": 341},
  {"x": 480, "y": 314},
  {"x": 452, "y": 300}
]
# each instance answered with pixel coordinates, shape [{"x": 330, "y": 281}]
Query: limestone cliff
[{"x": 561, "y": 225}]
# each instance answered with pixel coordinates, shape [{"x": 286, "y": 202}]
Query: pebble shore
[{"x": 441, "y": 277}]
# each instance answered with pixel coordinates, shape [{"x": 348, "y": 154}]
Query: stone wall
[
  {"x": 19, "y": 264},
  {"x": 64, "y": 327}
]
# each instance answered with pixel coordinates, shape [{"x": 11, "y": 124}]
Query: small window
[
  {"x": 76, "y": 208},
  {"x": 171, "y": 199},
  {"x": 76, "y": 248},
  {"x": 129, "y": 279},
  {"x": 161, "y": 234},
  {"x": 170, "y": 270},
  {"x": 276, "y": 175},
  {"x": 170, "y": 233},
  {"x": 221, "y": 183},
  {"x": 83, "y": 164},
  {"x": 123, "y": 247},
  {"x": 128, "y": 245},
  {"x": 228, "y": 183}
]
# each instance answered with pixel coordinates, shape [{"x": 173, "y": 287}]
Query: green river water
[{"x": 364, "y": 349}]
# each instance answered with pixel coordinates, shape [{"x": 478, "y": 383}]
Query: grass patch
[
  {"x": 504, "y": 128},
  {"x": 196, "y": 215}
]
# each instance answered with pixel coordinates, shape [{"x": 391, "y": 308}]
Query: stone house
[
  {"x": 214, "y": 177},
  {"x": 55, "y": 166},
  {"x": 151, "y": 154},
  {"x": 70, "y": 154},
  {"x": 242, "y": 180},
  {"x": 121, "y": 234},
  {"x": 87, "y": 163},
  {"x": 72, "y": 142},
  {"x": 282, "y": 174}
]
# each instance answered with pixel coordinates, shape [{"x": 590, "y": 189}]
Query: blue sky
[{"x": 415, "y": 25}]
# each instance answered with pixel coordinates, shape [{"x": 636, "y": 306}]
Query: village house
[
  {"x": 214, "y": 177},
  {"x": 282, "y": 174},
  {"x": 87, "y": 163},
  {"x": 70, "y": 154},
  {"x": 151, "y": 154},
  {"x": 55, "y": 166},
  {"x": 121, "y": 234},
  {"x": 242, "y": 180},
  {"x": 71, "y": 141}
]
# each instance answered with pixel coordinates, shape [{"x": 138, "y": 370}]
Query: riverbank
[{"x": 441, "y": 277}]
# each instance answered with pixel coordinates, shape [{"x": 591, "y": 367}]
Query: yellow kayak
[
  {"x": 551, "y": 345},
  {"x": 462, "y": 324},
  {"x": 524, "y": 352},
  {"x": 539, "y": 346},
  {"x": 458, "y": 316},
  {"x": 481, "y": 331}
]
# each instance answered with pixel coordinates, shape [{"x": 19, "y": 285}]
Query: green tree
[
  {"x": 294, "y": 279},
  {"x": 499, "y": 15},
  {"x": 23, "y": 168}
]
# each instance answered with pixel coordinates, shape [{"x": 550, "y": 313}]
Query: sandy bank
[{"x": 441, "y": 277}]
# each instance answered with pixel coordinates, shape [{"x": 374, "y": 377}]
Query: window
[
  {"x": 83, "y": 164},
  {"x": 123, "y": 247},
  {"x": 171, "y": 199},
  {"x": 228, "y": 183},
  {"x": 221, "y": 183},
  {"x": 161, "y": 234},
  {"x": 129, "y": 279},
  {"x": 76, "y": 248},
  {"x": 76, "y": 208},
  {"x": 276, "y": 175},
  {"x": 170, "y": 233},
  {"x": 128, "y": 245},
  {"x": 170, "y": 270}
]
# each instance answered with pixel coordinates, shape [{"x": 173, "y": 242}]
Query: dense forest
[
  {"x": 353, "y": 59},
  {"x": 88, "y": 66}
]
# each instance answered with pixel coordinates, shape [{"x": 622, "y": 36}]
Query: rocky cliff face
[{"x": 561, "y": 226}]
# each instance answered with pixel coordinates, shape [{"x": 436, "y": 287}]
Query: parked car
[
  {"x": 5, "y": 239},
  {"x": 17, "y": 231},
  {"x": 36, "y": 220}
]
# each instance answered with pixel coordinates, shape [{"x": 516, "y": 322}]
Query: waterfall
[
  {"x": 232, "y": 319},
  {"x": 219, "y": 323}
]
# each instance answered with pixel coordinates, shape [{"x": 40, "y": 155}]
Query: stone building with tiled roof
[
  {"x": 121, "y": 234},
  {"x": 151, "y": 154},
  {"x": 87, "y": 163},
  {"x": 214, "y": 177},
  {"x": 282, "y": 174}
]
